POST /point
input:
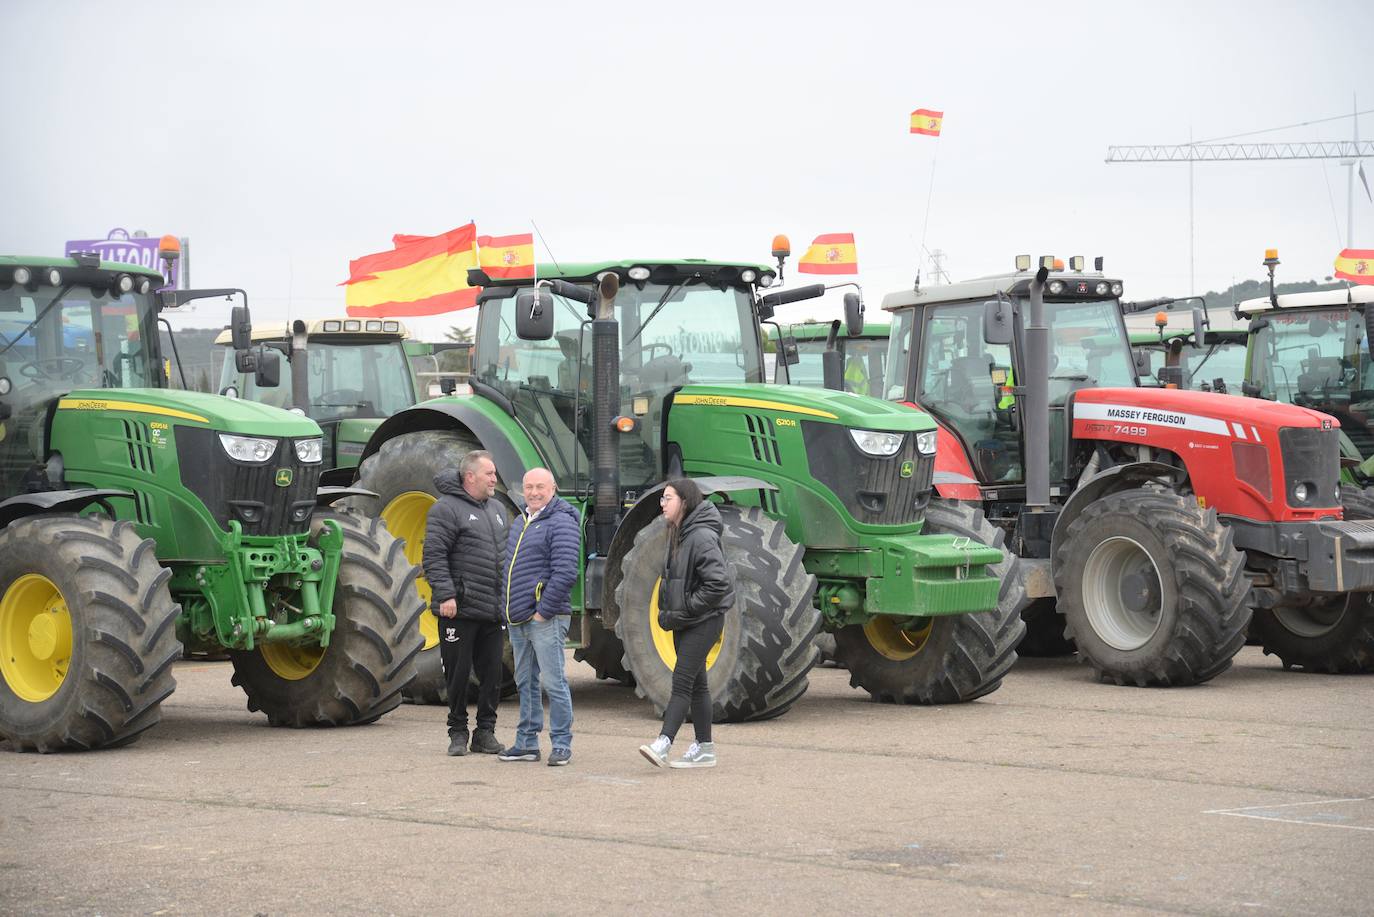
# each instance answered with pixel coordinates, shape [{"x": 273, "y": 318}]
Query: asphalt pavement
[{"x": 1054, "y": 795}]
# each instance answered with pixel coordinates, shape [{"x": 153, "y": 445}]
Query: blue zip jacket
[{"x": 542, "y": 564}]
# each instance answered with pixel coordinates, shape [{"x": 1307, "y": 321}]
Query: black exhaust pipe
[{"x": 605, "y": 408}]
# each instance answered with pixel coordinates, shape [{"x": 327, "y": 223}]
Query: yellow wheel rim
[
  {"x": 663, "y": 639},
  {"x": 891, "y": 639},
  {"x": 405, "y": 518},
  {"x": 35, "y": 637},
  {"x": 292, "y": 662}
]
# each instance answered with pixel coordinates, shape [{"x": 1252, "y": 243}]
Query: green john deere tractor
[
  {"x": 135, "y": 519},
  {"x": 617, "y": 376}
]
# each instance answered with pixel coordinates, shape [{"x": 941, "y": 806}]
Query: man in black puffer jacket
[{"x": 464, "y": 561}]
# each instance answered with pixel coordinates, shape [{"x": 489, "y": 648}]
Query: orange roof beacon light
[
  {"x": 1271, "y": 261},
  {"x": 782, "y": 247},
  {"x": 1059, "y": 264},
  {"x": 169, "y": 250},
  {"x": 1161, "y": 319}
]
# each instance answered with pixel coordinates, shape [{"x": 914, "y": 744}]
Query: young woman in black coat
[{"x": 695, "y": 593}]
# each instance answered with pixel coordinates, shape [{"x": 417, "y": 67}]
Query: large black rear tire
[
  {"x": 1152, "y": 589},
  {"x": 371, "y": 653},
  {"x": 947, "y": 659},
  {"x": 401, "y": 473},
  {"x": 768, "y": 645},
  {"x": 1332, "y": 634},
  {"x": 87, "y": 633}
]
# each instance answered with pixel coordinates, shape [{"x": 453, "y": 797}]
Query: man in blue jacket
[{"x": 542, "y": 562}]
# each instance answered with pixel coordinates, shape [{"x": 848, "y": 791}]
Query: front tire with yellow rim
[
  {"x": 948, "y": 659},
  {"x": 401, "y": 474},
  {"x": 759, "y": 668},
  {"x": 371, "y": 654},
  {"x": 87, "y": 635}
]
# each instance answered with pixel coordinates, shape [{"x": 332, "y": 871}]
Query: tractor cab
[
  {"x": 679, "y": 322},
  {"x": 1312, "y": 350},
  {"x": 347, "y": 375},
  {"x": 863, "y": 356},
  {"x": 958, "y": 350},
  {"x": 1215, "y": 365},
  {"x": 67, "y": 324}
]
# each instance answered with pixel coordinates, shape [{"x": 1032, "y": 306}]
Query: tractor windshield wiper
[
  {"x": 663, "y": 301},
  {"x": 41, "y": 314}
]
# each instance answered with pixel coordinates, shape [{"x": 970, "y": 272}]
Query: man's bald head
[{"x": 539, "y": 488}]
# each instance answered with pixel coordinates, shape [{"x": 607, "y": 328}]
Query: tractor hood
[
  {"x": 1187, "y": 409},
  {"x": 228, "y": 415},
  {"x": 809, "y": 404}
]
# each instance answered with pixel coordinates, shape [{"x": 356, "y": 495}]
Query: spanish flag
[
  {"x": 925, "y": 121},
  {"x": 833, "y": 253},
  {"x": 422, "y": 275},
  {"x": 507, "y": 257},
  {"x": 1356, "y": 265}
]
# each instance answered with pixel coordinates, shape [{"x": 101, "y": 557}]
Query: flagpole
[{"x": 930, "y": 192}]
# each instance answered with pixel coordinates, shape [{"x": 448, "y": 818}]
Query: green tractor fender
[
  {"x": 604, "y": 573},
  {"x": 1118, "y": 478},
  {"x": 56, "y": 501}
]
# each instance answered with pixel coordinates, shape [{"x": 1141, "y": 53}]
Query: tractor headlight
[
  {"x": 748, "y": 276},
  {"x": 22, "y": 275},
  {"x": 925, "y": 442},
  {"x": 1116, "y": 288},
  {"x": 1101, "y": 288},
  {"x": 248, "y": 448},
  {"x": 638, "y": 272},
  {"x": 308, "y": 450},
  {"x": 767, "y": 278},
  {"x": 1056, "y": 287},
  {"x": 1301, "y": 492},
  {"x": 875, "y": 443}
]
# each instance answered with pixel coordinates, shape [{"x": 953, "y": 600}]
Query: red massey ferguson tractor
[{"x": 1149, "y": 523}]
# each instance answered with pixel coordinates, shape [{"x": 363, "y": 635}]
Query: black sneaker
[
  {"x": 457, "y": 743},
  {"x": 519, "y": 754},
  {"x": 484, "y": 742},
  {"x": 560, "y": 757}
]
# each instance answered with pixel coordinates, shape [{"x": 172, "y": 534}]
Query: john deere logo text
[
  {"x": 907, "y": 469},
  {"x": 283, "y": 477}
]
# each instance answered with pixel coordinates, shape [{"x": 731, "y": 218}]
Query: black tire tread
[{"x": 121, "y": 610}]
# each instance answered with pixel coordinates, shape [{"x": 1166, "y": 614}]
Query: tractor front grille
[
  {"x": 1311, "y": 457},
  {"x": 248, "y": 493},
  {"x": 873, "y": 489}
]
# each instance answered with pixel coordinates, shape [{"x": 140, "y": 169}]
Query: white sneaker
[
  {"x": 657, "y": 751},
  {"x": 703, "y": 755}
]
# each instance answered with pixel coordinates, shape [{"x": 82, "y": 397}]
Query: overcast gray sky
[{"x": 286, "y": 138}]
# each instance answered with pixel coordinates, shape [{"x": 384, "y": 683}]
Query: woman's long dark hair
[{"x": 691, "y": 496}]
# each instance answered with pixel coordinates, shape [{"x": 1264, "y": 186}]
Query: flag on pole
[
  {"x": 832, "y": 253},
  {"x": 422, "y": 275},
  {"x": 506, "y": 257},
  {"x": 1356, "y": 265},
  {"x": 925, "y": 121}
]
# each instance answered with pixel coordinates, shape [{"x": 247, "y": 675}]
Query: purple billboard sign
[{"x": 118, "y": 246}]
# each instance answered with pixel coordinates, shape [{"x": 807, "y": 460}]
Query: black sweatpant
[
  {"x": 465, "y": 644},
  {"x": 690, "y": 688}
]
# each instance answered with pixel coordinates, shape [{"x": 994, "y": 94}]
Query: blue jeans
[{"x": 538, "y": 649}]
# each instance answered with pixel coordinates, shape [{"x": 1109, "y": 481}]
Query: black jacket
[
  {"x": 465, "y": 551},
  {"x": 697, "y": 583}
]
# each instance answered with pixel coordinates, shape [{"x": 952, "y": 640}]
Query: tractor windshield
[
  {"x": 54, "y": 340},
  {"x": 347, "y": 379},
  {"x": 670, "y": 335},
  {"x": 863, "y": 360},
  {"x": 1089, "y": 348},
  {"x": 1319, "y": 360}
]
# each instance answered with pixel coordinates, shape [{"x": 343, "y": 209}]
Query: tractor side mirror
[
  {"x": 245, "y": 361},
  {"x": 240, "y": 328},
  {"x": 997, "y": 321},
  {"x": 790, "y": 355},
  {"x": 268, "y": 373},
  {"x": 1200, "y": 324},
  {"x": 1142, "y": 363},
  {"x": 534, "y": 315},
  {"x": 853, "y": 314}
]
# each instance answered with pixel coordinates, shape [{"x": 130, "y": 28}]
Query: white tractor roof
[
  {"x": 280, "y": 331},
  {"x": 1336, "y": 298}
]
